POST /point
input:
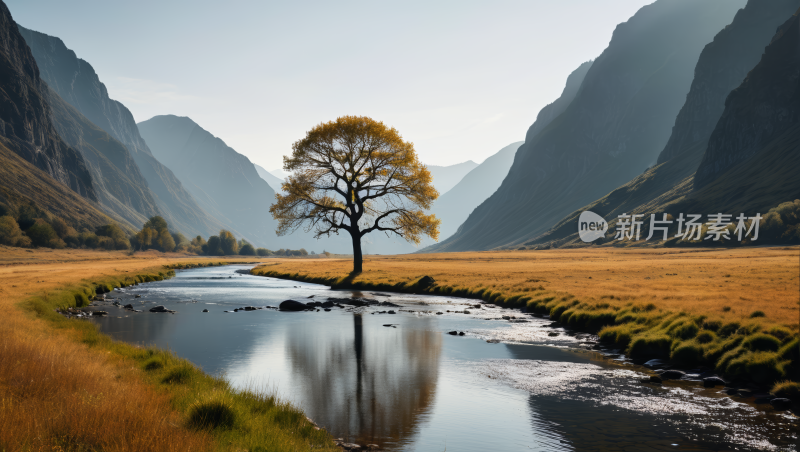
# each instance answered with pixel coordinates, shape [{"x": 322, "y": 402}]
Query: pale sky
[{"x": 459, "y": 79}]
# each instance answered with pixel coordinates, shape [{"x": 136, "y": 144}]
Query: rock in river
[
  {"x": 781, "y": 404},
  {"x": 291, "y": 305},
  {"x": 672, "y": 375},
  {"x": 160, "y": 309},
  {"x": 710, "y": 382}
]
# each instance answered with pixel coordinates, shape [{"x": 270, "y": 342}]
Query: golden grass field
[
  {"x": 696, "y": 281},
  {"x": 64, "y": 386}
]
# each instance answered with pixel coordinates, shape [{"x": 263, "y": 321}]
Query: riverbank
[
  {"x": 65, "y": 386},
  {"x": 733, "y": 310}
]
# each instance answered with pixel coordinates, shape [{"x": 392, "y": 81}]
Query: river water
[{"x": 400, "y": 381}]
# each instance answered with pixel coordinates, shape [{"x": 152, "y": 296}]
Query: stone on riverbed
[
  {"x": 205, "y": 310},
  {"x": 161, "y": 309},
  {"x": 710, "y": 382},
  {"x": 672, "y": 374},
  {"x": 292, "y": 305},
  {"x": 781, "y": 404}
]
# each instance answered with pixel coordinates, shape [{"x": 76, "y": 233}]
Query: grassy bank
[
  {"x": 65, "y": 386},
  {"x": 736, "y": 311}
]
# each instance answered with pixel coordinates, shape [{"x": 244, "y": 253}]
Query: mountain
[
  {"x": 121, "y": 189},
  {"x": 273, "y": 181},
  {"x": 224, "y": 182},
  {"x": 615, "y": 127},
  {"x": 455, "y": 205},
  {"x": 446, "y": 177},
  {"x": 722, "y": 67},
  {"x": 279, "y": 173},
  {"x": 22, "y": 183},
  {"x": 25, "y": 126},
  {"x": 76, "y": 82},
  {"x": 753, "y": 157}
]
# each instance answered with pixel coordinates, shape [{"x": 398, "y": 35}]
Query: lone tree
[{"x": 358, "y": 175}]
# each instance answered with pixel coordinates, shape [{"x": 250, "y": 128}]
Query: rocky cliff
[
  {"x": 615, "y": 128},
  {"x": 722, "y": 66},
  {"x": 764, "y": 107},
  {"x": 75, "y": 81},
  {"x": 25, "y": 125}
]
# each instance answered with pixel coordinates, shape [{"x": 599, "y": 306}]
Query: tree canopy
[{"x": 358, "y": 175}]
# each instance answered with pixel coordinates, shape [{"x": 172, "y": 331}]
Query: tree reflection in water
[{"x": 371, "y": 384}]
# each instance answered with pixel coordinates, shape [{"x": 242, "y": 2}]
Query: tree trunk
[{"x": 356, "y": 253}]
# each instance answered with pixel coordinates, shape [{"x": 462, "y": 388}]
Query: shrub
[
  {"x": 762, "y": 342},
  {"x": 10, "y": 233},
  {"x": 88, "y": 239},
  {"x": 650, "y": 345},
  {"x": 106, "y": 243},
  {"x": 788, "y": 390},
  {"x": 687, "y": 353},
  {"x": 760, "y": 367},
  {"x": 27, "y": 214},
  {"x": 757, "y": 314},
  {"x": 217, "y": 412},
  {"x": 686, "y": 329},
  {"x": 728, "y": 329},
  {"x": 41, "y": 233},
  {"x": 705, "y": 337},
  {"x": 262, "y": 252},
  {"x": 181, "y": 374},
  {"x": 154, "y": 363},
  {"x": 213, "y": 247},
  {"x": 227, "y": 243},
  {"x": 247, "y": 250},
  {"x": 116, "y": 234}
]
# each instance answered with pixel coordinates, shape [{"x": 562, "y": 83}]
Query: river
[{"x": 400, "y": 381}]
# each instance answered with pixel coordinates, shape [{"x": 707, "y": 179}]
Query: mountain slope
[
  {"x": 22, "y": 183},
  {"x": 122, "y": 191},
  {"x": 722, "y": 66},
  {"x": 446, "y": 177},
  {"x": 25, "y": 126},
  {"x": 273, "y": 181},
  {"x": 223, "y": 181},
  {"x": 75, "y": 81},
  {"x": 455, "y": 205},
  {"x": 615, "y": 127}
]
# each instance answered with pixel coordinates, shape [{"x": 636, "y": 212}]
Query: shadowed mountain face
[
  {"x": 446, "y": 177},
  {"x": 25, "y": 125},
  {"x": 75, "y": 81},
  {"x": 121, "y": 189},
  {"x": 764, "y": 107},
  {"x": 723, "y": 65},
  {"x": 455, "y": 206},
  {"x": 616, "y": 126},
  {"x": 224, "y": 182}
]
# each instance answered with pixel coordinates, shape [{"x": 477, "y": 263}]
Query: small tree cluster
[
  {"x": 27, "y": 225},
  {"x": 154, "y": 235}
]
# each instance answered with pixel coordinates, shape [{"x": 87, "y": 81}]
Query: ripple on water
[{"x": 698, "y": 417}]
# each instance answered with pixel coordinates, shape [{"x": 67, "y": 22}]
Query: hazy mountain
[
  {"x": 616, "y": 126},
  {"x": 723, "y": 65},
  {"x": 446, "y": 177},
  {"x": 455, "y": 206},
  {"x": 273, "y": 181},
  {"x": 279, "y": 173},
  {"x": 25, "y": 126},
  {"x": 75, "y": 81},
  {"x": 122, "y": 191}
]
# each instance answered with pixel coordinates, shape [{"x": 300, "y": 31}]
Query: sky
[{"x": 459, "y": 79}]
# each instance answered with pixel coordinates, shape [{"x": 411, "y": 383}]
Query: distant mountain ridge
[
  {"x": 273, "y": 180},
  {"x": 75, "y": 81},
  {"x": 25, "y": 125},
  {"x": 616, "y": 126},
  {"x": 446, "y": 177}
]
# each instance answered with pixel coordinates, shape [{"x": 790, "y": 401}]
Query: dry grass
[
  {"x": 64, "y": 386},
  {"x": 694, "y": 281},
  {"x": 734, "y": 310}
]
